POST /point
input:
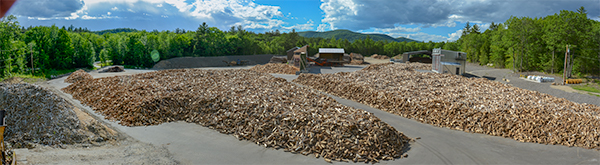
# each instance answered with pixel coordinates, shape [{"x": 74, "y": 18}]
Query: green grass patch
[
  {"x": 588, "y": 88},
  {"x": 27, "y": 78}
]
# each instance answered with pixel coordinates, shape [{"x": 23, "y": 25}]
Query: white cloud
[
  {"x": 108, "y": 13},
  {"x": 307, "y": 26},
  {"x": 396, "y": 29},
  {"x": 324, "y": 27},
  {"x": 114, "y": 8},
  {"x": 366, "y": 14}
]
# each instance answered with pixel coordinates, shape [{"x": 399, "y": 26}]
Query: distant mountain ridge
[{"x": 351, "y": 36}]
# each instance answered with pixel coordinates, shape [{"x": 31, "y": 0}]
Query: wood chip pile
[
  {"x": 381, "y": 57},
  {"x": 35, "y": 115},
  {"x": 78, "y": 75},
  {"x": 275, "y": 68},
  {"x": 356, "y": 59},
  {"x": 249, "y": 105},
  {"x": 467, "y": 104}
]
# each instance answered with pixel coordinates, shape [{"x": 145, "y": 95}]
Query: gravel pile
[
  {"x": 275, "y": 68},
  {"x": 468, "y": 104},
  {"x": 249, "y": 105},
  {"x": 36, "y": 115},
  {"x": 78, "y": 75}
]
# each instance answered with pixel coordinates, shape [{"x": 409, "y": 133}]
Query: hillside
[{"x": 351, "y": 36}]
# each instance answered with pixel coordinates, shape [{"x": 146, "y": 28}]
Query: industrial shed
[
  {"x": 333, "y": 55},
  {"x": 447, "y": 61}
]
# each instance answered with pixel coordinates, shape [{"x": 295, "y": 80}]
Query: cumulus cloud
[
  {"x": 309, "y": 25},
  {"x": 46, "y": 8},
  {"x": 219, "y": 13},
  {"x": 365, "y": 14}
]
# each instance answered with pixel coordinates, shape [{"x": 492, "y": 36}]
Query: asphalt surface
[
  {"x": 194, "y": 144},
  {"x": 499, "y": 74}
]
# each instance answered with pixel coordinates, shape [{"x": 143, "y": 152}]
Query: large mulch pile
[
  {"x": 35, "y": 115},
  {"x": 468, "y": 104},
  {"x": 275, "y": 68},
  {"x": 249, "y": 105},
  {"x": 78, "y": 75}
]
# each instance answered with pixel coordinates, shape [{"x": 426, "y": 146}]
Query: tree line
[
  {"x": 537, "y": 44},
  {"x": 520, "y": 43},
  {"x": 38, "y": 49}
]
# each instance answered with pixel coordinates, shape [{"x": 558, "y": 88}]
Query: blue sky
[{"x": 423, "y": 20}]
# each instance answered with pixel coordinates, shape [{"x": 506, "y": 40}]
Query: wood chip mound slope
[
  {"x": 275, "y": 68},
  {"x": 78, "y": 75},
  {"x": 468, "y": 104},
  {"x": 249, "y": 105}
]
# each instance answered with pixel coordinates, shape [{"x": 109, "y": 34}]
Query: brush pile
[
  {"x": 249, "y": 105},
  {"x": 35, "y": 115},
  {"x": 468, "y": 104},
  {"x": 275, "y": 68},
  {"x": 78, "y": 75}
]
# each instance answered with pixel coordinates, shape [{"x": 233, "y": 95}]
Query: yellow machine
[{"x": 574, "y": 81}]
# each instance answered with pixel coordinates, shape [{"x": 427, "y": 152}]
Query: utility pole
[{"x": 565, "y": 68}]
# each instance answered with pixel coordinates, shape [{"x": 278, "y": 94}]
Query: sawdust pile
[
  {"x": 249, "y": 105},
  {"x": 275, "y": 68},
  {"x": 78, "y": 75},
  {"x": 467, "y": 104},
  {"x": 35, "y": 115}
]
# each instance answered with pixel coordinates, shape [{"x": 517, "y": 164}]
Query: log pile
[
  {"x": 78, "y": 75},
  {"x": 467, "y": 104},
  {"x": 35, "y": 115},
  {"x": 275, "y": 68},
  {"x": 249, "y": 105}
]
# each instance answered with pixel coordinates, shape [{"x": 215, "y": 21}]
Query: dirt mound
[
  {"x": 249, "y": 105},
  {"x": 467, "y": 104},
  {"x": 275, "y": 68},
  {"x": 113, "y": 69},
  {"x": 36, "y": 115},
  {"x": 78, "y": 75}
]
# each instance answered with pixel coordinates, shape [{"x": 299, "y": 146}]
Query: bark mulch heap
[{"x": 249, "y": 105}]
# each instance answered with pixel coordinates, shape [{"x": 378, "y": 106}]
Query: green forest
[
  {"x": 537, "y": 44},
  {"x": 521, "y": 43}
]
